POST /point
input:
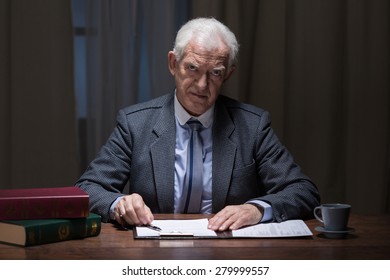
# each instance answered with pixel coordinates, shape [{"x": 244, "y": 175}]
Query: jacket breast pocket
[
  {"x": 245, "y": 171},
  {"x": 244, "y": 184}
]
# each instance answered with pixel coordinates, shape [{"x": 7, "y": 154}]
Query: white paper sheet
[
  {"x": 198, "y": 228},
  {"x": 291, "y": 228}
]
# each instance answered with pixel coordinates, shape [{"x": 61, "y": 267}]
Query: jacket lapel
[
  {"x": 224, "y": 153},
  {"x": 163, "y": 157}
]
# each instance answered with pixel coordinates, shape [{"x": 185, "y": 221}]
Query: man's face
[{"x": 199, "y": 76}]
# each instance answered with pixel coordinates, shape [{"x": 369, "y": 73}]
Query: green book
[{"x": 35, "y": 232}]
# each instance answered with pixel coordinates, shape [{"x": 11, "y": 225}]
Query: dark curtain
[
  {"x": 321, "y": 67},
  {"x": 126, "y": 59},
  {"x": 38, "y": 143}
]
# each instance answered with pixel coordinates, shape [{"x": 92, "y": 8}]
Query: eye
[
  {"x": 216, "y": 72},
  {"x": 192, "y": 67}
]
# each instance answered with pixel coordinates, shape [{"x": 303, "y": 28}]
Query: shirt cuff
[
  {"x": 112, "y": 212},
  {"x": 267, "y": 215}
]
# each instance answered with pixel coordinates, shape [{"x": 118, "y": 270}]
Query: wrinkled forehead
[{"x": 201, "y": 54}]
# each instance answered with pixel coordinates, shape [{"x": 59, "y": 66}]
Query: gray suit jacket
[{"x": 248, "y": 161}]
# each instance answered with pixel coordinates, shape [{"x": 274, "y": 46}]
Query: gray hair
[{"x": 210, "y": 33}]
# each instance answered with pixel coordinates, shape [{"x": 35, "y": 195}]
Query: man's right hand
[{"x": 133, "y": 210}]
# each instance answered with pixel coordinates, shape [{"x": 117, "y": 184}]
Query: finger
[
  {"x": 118, "y": 217},
  {"x": 132, "y": 205},
  {"x": 124, "y": 211},
  {"x": 234, "y": 217},
  {"x": 148, "y": 216},
  {"x": 239, "y": 222},
  {"x": 227, "y": 224},
  {"x": 215, "y": 222},
  {"x": 144, "y": 214},
  {"x": 119, "y": 211},
  {"x": 137, "y": 211},
  {"x": 248, "y": 214},
  {"x": 222, "y": 220}
]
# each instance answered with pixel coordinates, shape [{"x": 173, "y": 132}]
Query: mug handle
[{"x": 318, "y": 208}]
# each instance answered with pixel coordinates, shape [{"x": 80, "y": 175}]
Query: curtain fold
[
  {"x": 322, "y": 69},
  {"x": 38, "y": 141},
  {"x": 126, "y": 59}
]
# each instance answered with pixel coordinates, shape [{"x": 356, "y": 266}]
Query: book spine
[
  {"x": 62, "y": 230},
  {"x": 44, "y": 208}
]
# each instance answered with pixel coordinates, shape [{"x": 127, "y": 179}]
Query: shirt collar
[{"x": 206, "y": 119}]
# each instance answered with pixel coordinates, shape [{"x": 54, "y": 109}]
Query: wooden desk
[{"x": 371, "y": 240}]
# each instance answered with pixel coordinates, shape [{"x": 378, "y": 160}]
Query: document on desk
[
  {"x": 197, "y": 228},
  {"x": 291, "y": 228}
]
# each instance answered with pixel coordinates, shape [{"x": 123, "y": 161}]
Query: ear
[
  {"x": 232, "y": 68},
  {"x": 172, "y": 62}
]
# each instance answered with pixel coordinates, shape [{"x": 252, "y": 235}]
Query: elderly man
[{"x": 196, "y": 151}]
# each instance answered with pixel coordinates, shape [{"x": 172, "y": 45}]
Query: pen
[{"x": 153, "y": 227}]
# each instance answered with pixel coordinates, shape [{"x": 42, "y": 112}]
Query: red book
[{"x": 43, "y": 203}]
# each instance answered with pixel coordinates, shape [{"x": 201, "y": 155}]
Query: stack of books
[{"x": 46, "y": 215}]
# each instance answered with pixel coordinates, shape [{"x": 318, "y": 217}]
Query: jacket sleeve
[
  {"x": 107, "y": 175},
  {"x": 291, "y": 193}
]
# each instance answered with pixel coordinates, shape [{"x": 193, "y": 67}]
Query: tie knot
[{"x": 195, "y": 124}]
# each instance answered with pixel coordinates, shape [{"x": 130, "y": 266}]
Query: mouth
[{"x": 198, "y": 95}]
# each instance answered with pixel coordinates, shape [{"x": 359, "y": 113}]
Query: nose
[{"x": 202, "y": 82}]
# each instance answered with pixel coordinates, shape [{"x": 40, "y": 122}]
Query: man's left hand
[{"x": 236, "y": 216}]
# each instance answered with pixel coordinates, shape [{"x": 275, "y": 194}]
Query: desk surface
[{"x": 370, "y": 240}]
